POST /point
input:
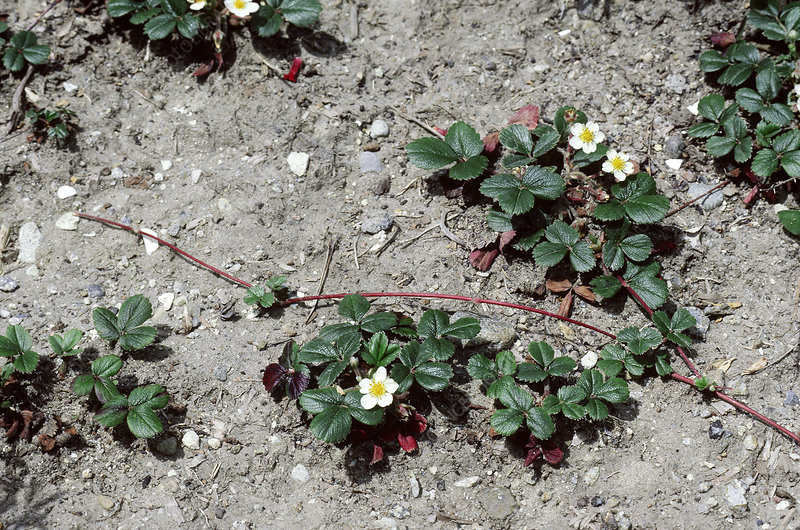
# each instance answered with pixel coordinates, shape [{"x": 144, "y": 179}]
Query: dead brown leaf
[
  {"x": 756, "y": 366},
  {"x": 585, "y": 293},
  {"x": 558, "y": 286}
]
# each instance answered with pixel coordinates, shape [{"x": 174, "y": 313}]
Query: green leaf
[
  {"x": 512, "y": 161},
  {"x": 735, "y": 127},
  {"x": 331, "y": 372},
  {"x": 719, "y": 146},
  {"x": 662, "y": 366},
  {"x": 637, "y": 247},
  {"x": 743, "y": 52},
  {"x": 36, "y": 53},
  {"x": 582, "y": 257},
  {"x": 768, "y": 84},
  {"x": 711, "y": 106},
  {"x": 640, "y": 340},
  {"x": 790, "y": 220},
  {"x": 609, "y": 211},
  {"x": 548, "y": 139},
  {"x": 499, "y": 386},
  {"x": 318, "y": 351},
  {"x": 703, "y": 130},
  {"x": 589, "y": 381},
  {"x": 430, "y": 153},
  {"x": 188, "y": 26},
  {"x": 778, "y": 113},
  {"x": 412, "y": 354},
  {"x": 647, "y": 209},
  {"x": 526, "y": 243},
  {"x": 118, "y": 8},
  {"x": 614, "y": 390},
  {"x": 765, "y": 131},
  {"x": 543, "y": 183},
  {"x": 764, "y": 163},
  {"x": 506, "y": 364},
  {"x": 175, "y": 7},
  {"x": 160, "y": 26},
  {"x": 353, "y": 307},
  {"x": 530, "y": 373},
  {"x": 133, "y": 312},
  {"x": 743, "y": 150},
  {"x": 440, "y": 349},
  {"x": 469, "y": 169},
  {"x": 83, "y": 384},
  {"x": 143, "y": 422},
  {"x": 582, "y": 158},
  {"x": 378, "y": 322},
  {"x": 377, "y": 352},
  {"x": 510, "y": 193},
  {"x": 596, "y": 409},
  {"x": 790, "y": 162},
  {"x": 19, "y": 336},
  {"x": 318, "y": 399},
  {"x": 143, "y": 16},
  {"x": 560, "y": 122},
  {"x": 499, "y": 221},
  {"x": 769, "y": 25},
  {"x": 542, "y": 353},
  {"x": 680, "y": 339},
  {"x": 463, "y": 328},
  {"x": 610, "y": 368},
  {"x": 113, "y": 412},
  {"x": 481, "y": 367},
  {"x": 433, "y": 376},
  {"x": 788, "y": 141},
  {"x": 301, "y": 13},
  {"x": 506, "y": 422},
  {"x": 106, "y": 366},
  {"x": 13, "y": 60},
  {"x": 561, "y": 233},
  {"x": 105, "y": 389},
  {"x": 682, "y": 320},
  {"x": 548, "y": 254},
  {"x": 59, "y": 131},
  {"x": 403, "y": 376},
  {"x": 352, "y": 400},
  {"x": 561, "y": 366},
  {"x": 463, "y": 139},
  {"x": 266, "y": 21},
  {"x": 605, "y": 286},
  {"x": 26, "y": 362},
  {"x": 729, "y": 112},
  {"x": 711, "y": 61},
  {"x": 138, "y": 338},
  {"x": 540, "y": 423},
  {"x": 433, "y": 323},
  {"x": 151, "y": 396},
  {"x": 517, "y": 137},
  {"x": 332, "y": 425},
  {"x": 736, "y": 74},
  {"x": 515, "y": 397},
  {"x": 643, "y": 280}
]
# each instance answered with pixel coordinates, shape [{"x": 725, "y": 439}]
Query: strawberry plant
[
  {"x": 126, "y": 326},
  {"x": 21, "y": 49},
  {"x": 17, "y": 346}
]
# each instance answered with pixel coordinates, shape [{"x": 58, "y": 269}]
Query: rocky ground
[{"x": 208, "y": 165}]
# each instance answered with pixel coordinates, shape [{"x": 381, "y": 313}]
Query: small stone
[
  {"x": 496, "y": 334},
  {"x": 300, "y": 473},
  {"x": 750, "y": 442},
  {"x": 597, "y": 501},
  {"x": 498, "y": 501},
  {"x": 191, "y": 440},
  {"x": 703, "y": 487},
  {"x": 702, "y": 322},
  {"x": 158, "y": 177},
  {"x": 674, "y": 163},
  {"x": 379, "y": 129},
  {"x": 7, "y": 284},
  {"x": 415, "y": 489},
  {"x": 298, "y": 163},
  {"x": 387, "y": 523},
  {"x": 166, "y": 300},
  {"x": 224, "y": 205},
  {"x": 783, "y": 505},
  {"x": 398, "y": 511},
  {"x": 219, "y": 512},
  {"x": 32, "y": 271},
  {"x": 106, "y": 502},
  {"x": 675, "y": 83},
  {"x": 709, "y": 202},
  {"x": 69, "y": 87},
  {"x": 29, "y": 239},
  {"x": 734, "y": 496},
  {"x": 591, "y": 476},
  {"x": 87, "y": 473},
  {"x": 195, "y": 176},
  {"x": 376, "y": 223},
  {"x": 673, "y": 147},
  {"x": 150, "y": 244},
  {"x": 67, "y": 221},
  {"x": 95, "y": 290},
  {"x": 166, "y": 165},
  {"x": 382, "y": 186},
  {"x": 168, "y": 446},
  {"x": 467, "y": 482},
  {"x": 117, "y": 173},
  {"x": 715, "y": 430},
  {"x": 65, "y": 192},
  {"x": 174, "y": 229},
  {"x": 221, "y": 373},
  {"x": 791, "y": 398},
  {"x": 589, "y": 360},
  {"x": 214, "y": 443},
  {"x": 370, "y": 162}
]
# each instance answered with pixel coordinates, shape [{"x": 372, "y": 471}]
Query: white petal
[
  {"x": 628, "y": 167},
  {"x": 607, "y": 167},
  {"x": 385, "y": 400},
  {"x": 251, "y": 7},
  {"x": 197, "y": 6},
  {"x": 589, "y": 148},
  {"x": 623, "y": 156},
  {"x": 592, "y": 126},
  {"x": 576, "y": 128},
  {"x": 365, "y": 385},
  {"x": 390, "y": 385},
  {"x": 380, "y": 374},
  {"x": 599, "y": 137},
  {"x": 611, "y": 154},
  {"x": 619, "y": 176},
  {"x": 368, "y": 401},
  {"x": 575, "y": 143}
]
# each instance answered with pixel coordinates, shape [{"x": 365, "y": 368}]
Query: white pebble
[
  {"x": 379, "y": 129},
  {"x": 150, "y": 244},
  {"x": 693, "y": 108},
  {"x": 214, "y": 443},
  {"x": 166, "y": 165},
  {"x": 467, "y": 482},
  {"x": 298, "y": 163},
  {"x": 69, "y": 87},
  {"x": 196, "y": 175},
  {"x": 166, "y": 300},
  {"x": 68, "y": 221},
  {"x": 191, "y": 440},
  {"x": 674, "y": 163},
  {"x": 65, "y": 192},
  {"x": 589, "y": 360},
  {"x": 300, "y": 473}
]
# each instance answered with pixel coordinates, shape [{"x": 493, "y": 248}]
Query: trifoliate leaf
[
  {"x": 469, "y": 169},
  {"x": 463, "y": 139},
  {"x": 764, "y": 163},
  {"x": 517, "y": 137},
  {"x": 430, "y": 153}
]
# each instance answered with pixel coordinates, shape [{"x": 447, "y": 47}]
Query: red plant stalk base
[{"x": 674, "y": 376}]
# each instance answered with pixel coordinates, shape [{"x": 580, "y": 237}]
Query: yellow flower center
[
  {"x": 617, "y": 163},
  {"x": 239, "y": 4},
  {"x": 377, "y": 390},
  {"x": 586, "y": 136}
]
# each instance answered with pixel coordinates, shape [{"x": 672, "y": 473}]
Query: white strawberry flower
[
  {"x": 241, "y": 8},
  {"x": 378, "y": 390},
  {"x": 586, "y": 137},
  {"x": 618, "y": 164}
]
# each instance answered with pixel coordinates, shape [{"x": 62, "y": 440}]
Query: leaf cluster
[
  {"x": 22, "y": 49},
  {"x": 54, "y": 123},
  {"x": 126, "y": 326},
  {"x": 265, "y": 296},
  {"x": 17, "y": 346}
]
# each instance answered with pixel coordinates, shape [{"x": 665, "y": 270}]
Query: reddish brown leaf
[
  {"x": 482, "y": 258},
  {"x": 491, "y": 141},
  {"x": 407, "y": 442},
  {"x": 204, "y": 69},
  {"x": 552, "y": 453},
  {"x": 558, "y": 286},
  {"x": 292, "y": 75},
  {"x": 585, "y": 293},
  {"x": 566, "y": 305},
  {"x": 377, "y": 454},
  {"x": 751, "y": 194},
  {"x": 441, "y": 131},
  {"x": 527, "y": 116},
  {"x": 274, "y": 374},
  {"x": 752, "y": 177},
  {"x": 532, "y": 455},
  {"x": 723, "y": 39},
  {"x": 48, "y": 443},
  {"x": 505, "y": 239}
]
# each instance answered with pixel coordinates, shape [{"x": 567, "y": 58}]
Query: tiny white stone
[
  {"x": 693, "y": 108},
  {"x": 191, "y": 440},
  {"x": 300, "y": 473},
  {"x": 66, "y": 191},
  {"x": 783, "y": 505},
  {"x": 166, "y": 300},
  {"x": 69, "y": 87},
  {"x": 166, "y": 165},
  {"x": 379, "y": 129},
  {"x": 674, "y": 163},
  {"x": 564, "y": 32},
  {"x": 150, "y": 244},
  {"x": 158, "y": 177},
  {"x": 298, "y": 163},
  {"x": 68, "y": 221},
  {"x": 214, "y": 443},
  {"x": 589, "y": 360},
  {"x": 540, "y": 68},
  {"x": 196, "y": 175},
  {"x": 467, "y": 482}
]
